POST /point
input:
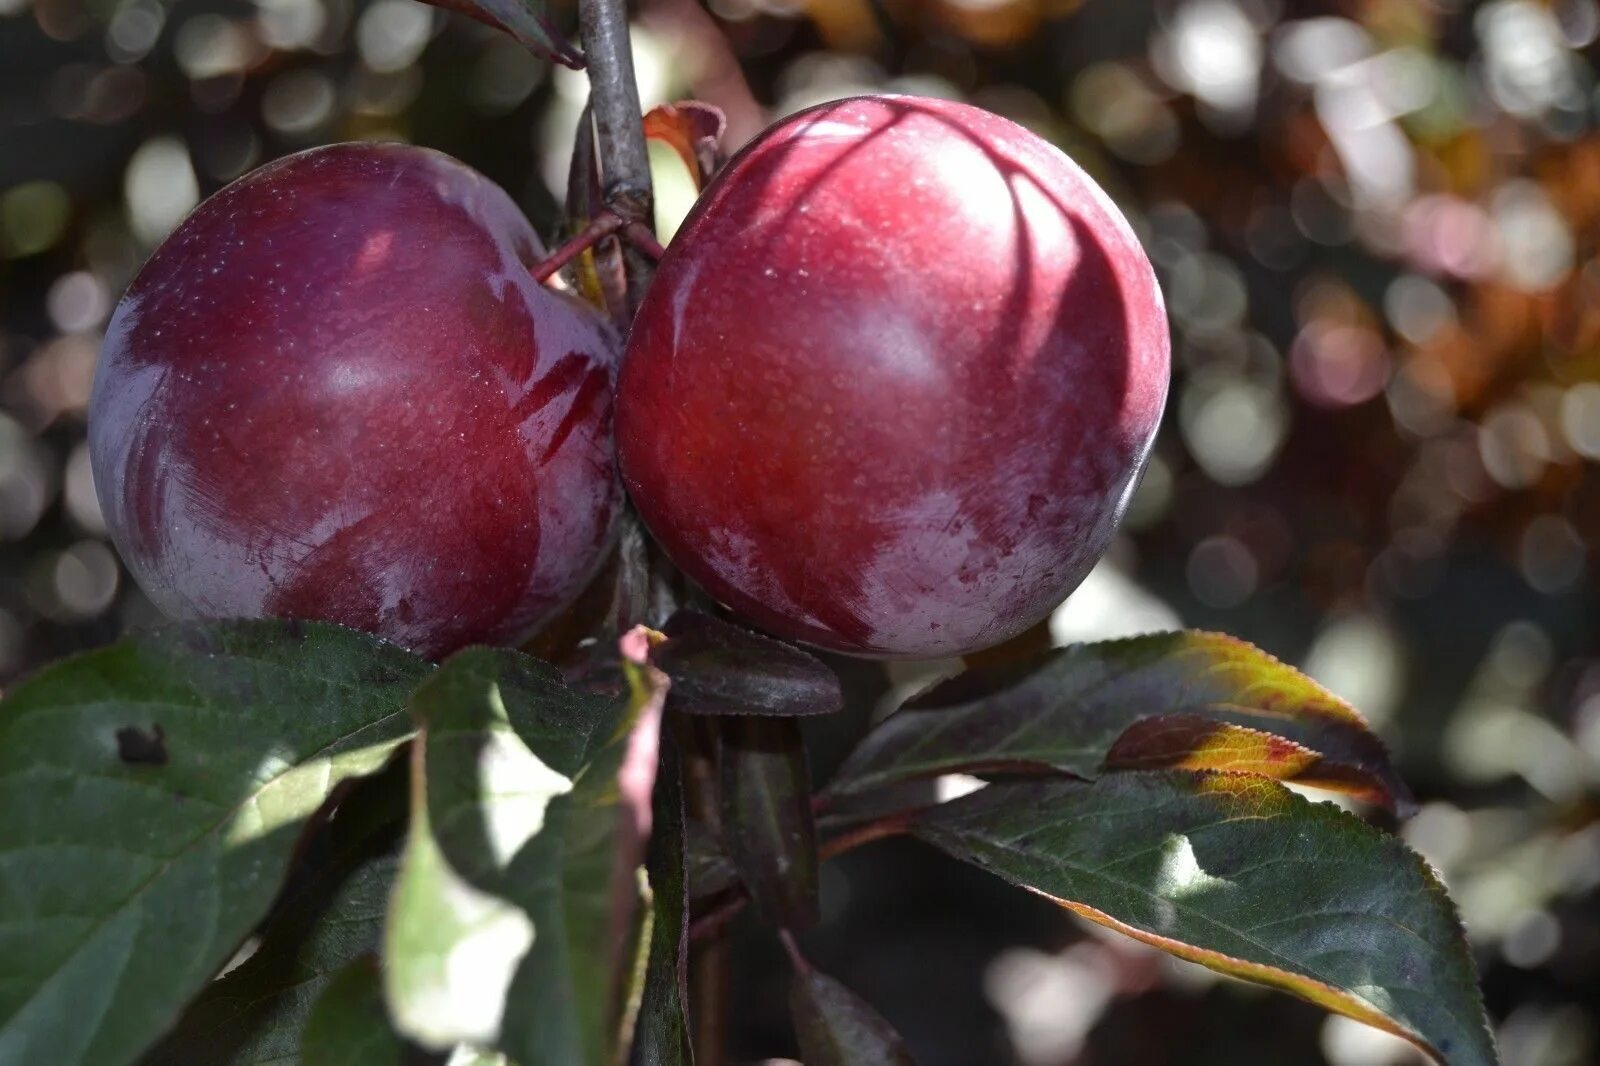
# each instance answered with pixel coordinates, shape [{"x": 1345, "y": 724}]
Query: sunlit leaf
[
  {"x": 500, "y": 924},
  {"x": 1237, "y": 873},
  {"x": 1191, "y": 699},
  {"x": 154, "y": 791}
]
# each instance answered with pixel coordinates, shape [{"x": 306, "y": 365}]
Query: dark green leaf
[
  {"x": 1188, "y": 700},
  {"x": 154, "y": 791},
  {"x": 836, "y": 1027},
  {"x": 1237, "y": 873},
  {"x": 661, "y": 1031},
  {"x": 348, "y": 1025},
  {"x": 527, "y": 21},
  {"x": 720, "y": 668},
  {"x": 767, "y": 822},
  {"x": 500, "y": 926},
  {"x": 330, "y": 914}
]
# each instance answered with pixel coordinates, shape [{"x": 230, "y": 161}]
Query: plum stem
[{"x": 619, "y": 129}]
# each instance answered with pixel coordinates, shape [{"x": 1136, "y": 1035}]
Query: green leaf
[
  {"x": 348, "y": 1025},
  {"x": 1239, "y": 874},
  {"x": 528, "y": 22},
  {"x": 154, "y": 791},
  {"x": 500, "y": 925},
  {"x": 1187, "y": 700},
  {"x": 661, "y": 1030},
  {"x": 329, "y": 915},
  {"x": 836, "y": 1027},
  {"x": 720, "y": 668},
  {"x": 766, "y": 817}
]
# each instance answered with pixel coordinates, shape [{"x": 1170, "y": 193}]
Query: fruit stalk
[{"x": 614, "y": 97}]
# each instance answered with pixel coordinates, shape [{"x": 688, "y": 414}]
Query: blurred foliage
[{"x": 1377, "y": 223}]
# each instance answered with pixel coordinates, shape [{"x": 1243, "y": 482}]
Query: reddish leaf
[
  {"x": 1138, "y": 702},
  {"x": 694, "y": 130},
  {"x": 526, "y": 21},
  {"x": 720, "y": 668}
]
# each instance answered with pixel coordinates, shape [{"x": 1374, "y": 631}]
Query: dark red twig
[{"x": 587, "y": 238}]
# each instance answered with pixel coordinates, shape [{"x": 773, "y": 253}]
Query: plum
[
  {"x": 895, "y": 379},
  {"x": 334, "y": 392}
]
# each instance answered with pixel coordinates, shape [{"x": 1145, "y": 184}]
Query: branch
[{"x": 614, "y": 96}]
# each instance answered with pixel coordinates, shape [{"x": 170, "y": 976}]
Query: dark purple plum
[
  {"x": 335, "y": 393},
  {"x": 895, "y": 380}
]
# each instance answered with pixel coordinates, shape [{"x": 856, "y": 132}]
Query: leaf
[
  {"x": 154, "y": 791},
  {"x": 499, "y": 923},
  {"x": 694, "y": 130},
  {"x": 1137, "y": 703},
  {"x": 1239, "y": 874},
  {"x": 661, "y": 1031},
  {"x": 348, "y": 1025},
  {"x": 720, "y": 668},
  {"x": 330, "y": 914},
  {"x": 767, "y": 822},
  {"x": 836, "y": 1027},
  {"x": 526, "y": 21}
]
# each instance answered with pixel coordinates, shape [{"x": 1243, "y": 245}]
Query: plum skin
[
  {"x": 895, "y": 379},
  {"x": 335, "y": 393}
]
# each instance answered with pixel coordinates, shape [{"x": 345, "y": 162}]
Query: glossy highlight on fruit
[
  {"x": 895, "y": 379},
  {"x": 335, "y": 393}
]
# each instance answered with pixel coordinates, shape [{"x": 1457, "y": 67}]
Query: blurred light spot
[
  {"x": 1579, "y": 21},
  {"x": 372, "y": 93},
  {"x": 1536, "y": 245},
  {"x": 818, "y": 77},
  {"x": 1421, "y": 397},
  {"x": 1212, "y": 50},
  {"x": 1221, "y": 572},
  {"x": 1338, "y": 366},
  {"x": 1318, "y": 213},
  {"x": 57, "y": 378},
  {"x": 1514, "y": 446},
  {"x": 12, "y": 644},
  {"x": 1551, "y": 554},
  {"x": 504, "y": 76},
  {"x": 1532, "y": 940},
  {"x": 1528, "y": 66},
  {"x": 1417, "y": 308},
  {"x": 290, "y": 24},
  {"x": 77, "y": 302},
  {"x": 1536, "y": 1034},
  {"x": 1232, "y": 427},
  {"x": 134, "y": 30},
  {"x": 160, "y": 187},
  {"x": 1113, "y": 101},
  {"x": 1446, "y": 234},
  {"x": 13, "y": 7},
  {"x": 391, "y": 34},
  {"x": 299, "y": 101},
  {"x": 27, "y": 482},
  {"x": 1050, "y": 1002},
  {"x": 210, "y": 46},
  {"x": 1110, "y": 604},
  {"x": 1206, "y": 292},
  {"x": 1347, "y": 1042},
  {"x": 1273, "y": 238},
  {"x": 33, "y": 217},
  {"x": 1358, "y": 658},
  {"x": 78, "y": 492},
  {"x": 1580, "y": 419},
  {"x": 86, "y": 576},
  {"x": 1309, "y": 50},
  {"x": 1441, "y": 832},
  {"x": 229, "y": 151}
]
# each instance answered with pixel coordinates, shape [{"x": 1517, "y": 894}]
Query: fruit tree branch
[{"x": 614, "y": 96}]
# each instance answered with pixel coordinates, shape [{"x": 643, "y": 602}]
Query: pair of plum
[{"x": 888, "y": 394}]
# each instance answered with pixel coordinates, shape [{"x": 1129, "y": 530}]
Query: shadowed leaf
[
  {"x": 661, "y": 1033},
  {"x": 1239, "y": 874},
  {"x": 500, "y": 923},
  {"x": 720, "y": 668},
  {"x": 127, "y": 883},
  {"x": 348, "y": 1025},
  {"x": 767, "y": 822},
  {"x": 836, "y": 1027},
  {"x": 527, "y": 21},
  {"x": 1144, "y": 701}
]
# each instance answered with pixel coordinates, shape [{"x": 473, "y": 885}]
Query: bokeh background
[{"x": 1377, "y": 224}]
